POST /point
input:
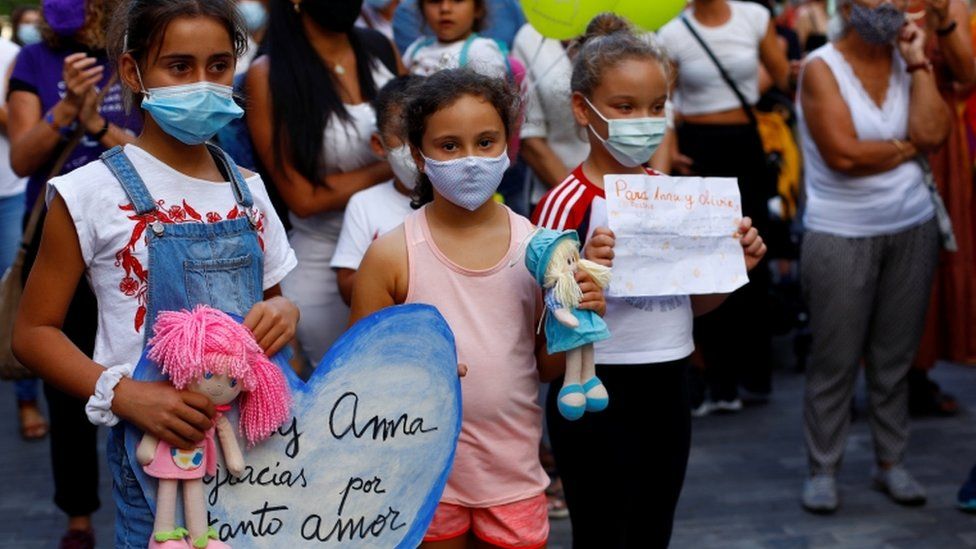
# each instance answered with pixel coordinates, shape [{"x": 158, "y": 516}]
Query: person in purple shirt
[{"x": 54, "y": 92}]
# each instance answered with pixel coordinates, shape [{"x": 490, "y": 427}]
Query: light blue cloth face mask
[
  {"x": 468, "y": 182},
  {"x": 192, "y": 113},
  {"x": 631, "y": 141},
  {"x": 28, "y": 34}
]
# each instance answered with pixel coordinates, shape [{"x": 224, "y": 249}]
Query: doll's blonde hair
[{"x": 559, "y": 277}]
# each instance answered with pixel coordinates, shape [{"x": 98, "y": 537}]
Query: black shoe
[{"x": 78, "y": 539}]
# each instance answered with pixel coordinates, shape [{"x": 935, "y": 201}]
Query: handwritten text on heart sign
[
  {"x": 365, "y": 458},
  {"x": 674, "y": 235}
]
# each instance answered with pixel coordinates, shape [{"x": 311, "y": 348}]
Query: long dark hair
[
  {"x": 140, "y": 25},
  {"x": 303, "y": 93},
  {"x": 440, "y": 90},
  {"x": 92, "y": 34}
]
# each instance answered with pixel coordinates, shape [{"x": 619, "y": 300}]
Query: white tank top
[
  {"x": 872, "y": 205},
  {"x": 347, "y": 148}
]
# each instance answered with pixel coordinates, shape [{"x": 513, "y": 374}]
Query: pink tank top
[{"x": 492, "y": 313}]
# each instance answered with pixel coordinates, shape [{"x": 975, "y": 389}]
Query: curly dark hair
[
  {"x": 93, "y": 34},
  {"x": 441, "y": 90}
]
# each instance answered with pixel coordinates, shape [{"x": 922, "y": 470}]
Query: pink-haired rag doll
[{"x": 207, "y": 351}]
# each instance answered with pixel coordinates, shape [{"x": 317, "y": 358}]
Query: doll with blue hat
[{"x": 553, "y": 259}]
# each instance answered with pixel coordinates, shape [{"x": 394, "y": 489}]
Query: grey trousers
[{"x": 867, "y": 300}]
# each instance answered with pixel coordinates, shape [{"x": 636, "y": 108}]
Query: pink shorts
[{"x": 523, "y": 524}]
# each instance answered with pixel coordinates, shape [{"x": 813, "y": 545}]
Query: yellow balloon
[
  {"x": 565, "y": 19},
  {"x": 649, "y": 15}
]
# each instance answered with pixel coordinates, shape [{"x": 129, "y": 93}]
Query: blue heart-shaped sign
[{"x": 366, "y": 456}]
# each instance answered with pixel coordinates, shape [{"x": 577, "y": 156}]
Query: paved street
[{"x": 742, "y": 488}]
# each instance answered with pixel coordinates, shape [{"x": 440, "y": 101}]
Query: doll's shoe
[
  {"x": 597, "y": 398},
  {"x": 174, "y": 539},
  {"x": 210, "y": 541},
  {"x": 572, "y": 401}
]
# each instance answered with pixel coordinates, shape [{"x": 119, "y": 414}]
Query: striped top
[{"x": 643, "y": 330}]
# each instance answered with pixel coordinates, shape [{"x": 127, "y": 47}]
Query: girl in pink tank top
[{"x": 460, "y": 251}]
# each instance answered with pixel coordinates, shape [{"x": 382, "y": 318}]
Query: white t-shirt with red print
[{"x": 113, "y": 239}]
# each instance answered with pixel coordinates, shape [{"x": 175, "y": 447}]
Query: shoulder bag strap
[{"x": 725, "y": 75}]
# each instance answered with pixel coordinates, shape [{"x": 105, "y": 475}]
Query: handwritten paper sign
[
  {"x": 365, "y": 458},
  {"x": 675, "y": 235}
]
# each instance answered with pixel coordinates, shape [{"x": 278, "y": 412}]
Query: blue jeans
[
  {"x": 11, "y": 221},
  {"x": 26, "y": 390},
  {"x": 133, "y": 517}
]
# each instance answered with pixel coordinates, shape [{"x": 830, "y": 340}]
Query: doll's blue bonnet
[{"x": 540, "y": 250}]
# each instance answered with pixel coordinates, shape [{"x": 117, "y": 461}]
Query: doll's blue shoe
[
  {"x": 597, "y": 398},
  {"x": 572, "y": 401}
]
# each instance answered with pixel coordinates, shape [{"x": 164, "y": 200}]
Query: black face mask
[{"x": 333, "y": 15}]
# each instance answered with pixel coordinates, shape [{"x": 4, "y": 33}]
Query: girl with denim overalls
[{"x": 164, "y": 224}]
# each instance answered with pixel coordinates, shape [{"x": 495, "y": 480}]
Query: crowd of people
[{"x": 341, "y": 156}]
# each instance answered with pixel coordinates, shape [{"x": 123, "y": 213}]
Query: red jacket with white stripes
[{"x": 569, "y": 204}]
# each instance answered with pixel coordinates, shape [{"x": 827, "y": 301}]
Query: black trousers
[
  {"x": 735, "y": 338},
  {"x": 619, "y": 495},
  {"x": 74, "y": 440}
]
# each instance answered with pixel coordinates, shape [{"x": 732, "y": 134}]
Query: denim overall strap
[
  {"x": 242, "y": 194},
  {"x": 126, "y": 173}
]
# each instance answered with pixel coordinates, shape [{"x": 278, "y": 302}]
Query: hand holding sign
[{"x": 675, "y": 235}]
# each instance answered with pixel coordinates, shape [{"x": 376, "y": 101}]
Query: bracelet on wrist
[
  {"x": 97, "y": 136},
  {"x": 925, "y": 65},
  {"x": 946, "y": 30},
  {"x": 63, "y": 130}
]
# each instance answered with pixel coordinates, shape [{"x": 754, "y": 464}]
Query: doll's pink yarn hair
[{"x": 189, "y": 344}]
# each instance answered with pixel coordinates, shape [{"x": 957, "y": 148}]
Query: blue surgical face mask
[
  {"x": 379, "y": 4},
  {"x": 28, "y": 34},
  {"x": 631, "y": 141},
  {"x": 192, "y": 113},
  {"x": 468, "y": 182},
  {"x": 253, "y": 14}
]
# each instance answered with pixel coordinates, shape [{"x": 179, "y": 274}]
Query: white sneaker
[
  {"x": 820, "y": 494},
  {"x": 900, "y": 486},
  {"x": 729, "y": 406},
  {"x": 702, "y": 410}
]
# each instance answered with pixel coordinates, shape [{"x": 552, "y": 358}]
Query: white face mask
[
  {"x": 403, "y": 166},
  {"x": 468, "y": 182},
  {"x": 631, "y": 141}
]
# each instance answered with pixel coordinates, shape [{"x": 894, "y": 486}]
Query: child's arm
[
  {"x": 345, "y": 279},
  {"x": 178, "y": 417},
  {"x": 381, "y": 280},
  {"x": 273, "y": 321},
  {"x": 233, "y": 457}
]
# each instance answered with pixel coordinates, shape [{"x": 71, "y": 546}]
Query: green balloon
[
  {"x": 565, "y": 19},
  {"x": 649, "y": 15}
]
